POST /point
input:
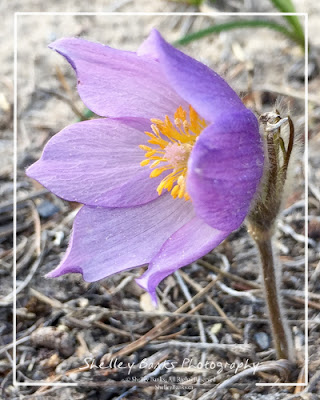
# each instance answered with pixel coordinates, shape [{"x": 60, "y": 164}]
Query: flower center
[{"x": 172, "y": 144}]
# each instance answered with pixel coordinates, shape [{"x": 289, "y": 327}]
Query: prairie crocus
[{"x": 165, "y": 176}]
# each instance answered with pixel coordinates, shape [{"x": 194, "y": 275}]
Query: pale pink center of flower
[
  {"x": 177, "y": 155},
  {"x": 172, "y": 143}
]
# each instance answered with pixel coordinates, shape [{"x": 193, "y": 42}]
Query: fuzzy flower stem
[
  {"x": 280, "y": 331},
  {"x": 261, "y": 225}
]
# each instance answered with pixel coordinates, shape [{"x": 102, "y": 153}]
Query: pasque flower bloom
[{"x": 165, "y": 176}]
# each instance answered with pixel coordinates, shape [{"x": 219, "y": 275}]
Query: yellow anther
[
  {"x": 155, "y": 163},
  {"x": 175, "y": 191},
  {"x": 145, "y": 148},
  {"x": 181, "y": 180},
  {"x": 144, "y": 162},
  {"x": 150, "y": 153},
  {"x": 181, "y": 193},
  {"x": 172, "y": 146},
  {"x": 158, "y": 171}
]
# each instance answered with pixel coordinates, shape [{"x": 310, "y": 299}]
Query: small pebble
[
  {"x": 262, "y": 339},
  {"x": 296, "y": 71},
  {"x": 53, "y": 338},
  {"x": 46, "y": 209}
]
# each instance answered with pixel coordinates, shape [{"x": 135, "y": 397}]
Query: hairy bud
[{"x": 264, "y": 212}]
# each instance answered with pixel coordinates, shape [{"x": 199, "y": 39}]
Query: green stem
[
  {"x": 280, "y": 330},
  {"x": 239, "y": 24},
  {"x": 286, "y": 6}
]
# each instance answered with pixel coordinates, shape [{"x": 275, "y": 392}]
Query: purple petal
[
  {"x": 118, "y": 83},
  {"x": 97, "y": 163},
  {"x": 148, "y": 47},
  {"x": 197, "y": 84},
  {"x": 190, "y": 242},
  {"x": 107, "y": 241},
  {"x": 224, "y": 170}
]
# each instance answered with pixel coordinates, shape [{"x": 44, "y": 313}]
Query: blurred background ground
[{"x": 61, "y": 322}]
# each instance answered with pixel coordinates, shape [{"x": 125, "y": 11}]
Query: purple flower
[{"x": 166, "y": 177}]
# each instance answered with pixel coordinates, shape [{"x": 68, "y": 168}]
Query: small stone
[
  {"x": 52, "y": 338},
  {"x": 296, "y": 71},
  {"x": 51, "y": 362},
  {"x": 216, "y": 328},
  {"x": 262, "y": 339},
  {"x": 46, "y": 209}
]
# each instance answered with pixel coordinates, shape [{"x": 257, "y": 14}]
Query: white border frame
[{"x": 15, "y": 126}]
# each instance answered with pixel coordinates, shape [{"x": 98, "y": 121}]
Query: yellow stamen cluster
[{"x": 171, "y": 147}]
